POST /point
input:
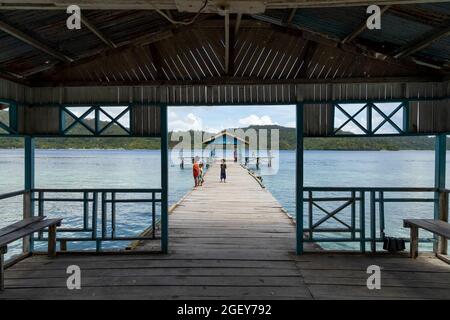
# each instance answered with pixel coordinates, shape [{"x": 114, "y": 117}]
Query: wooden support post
[
  {"x": 52, "y": 241},
  {"x": 439, "y": 178},
  {"x": 237, "y": 25},
  {"x": 63, "y": 245},
  {"x": 299, "y": 179},
  {"x": 373, "y": 236},
  {"x": 164, "y": 181},
  {"x": 28, "y": 206},
  {"x": 414, "y": 244},
  {"x": 443, "y": 215},
  {"x": 3, "y": 251},
  {"x": 362, "y": 221}
]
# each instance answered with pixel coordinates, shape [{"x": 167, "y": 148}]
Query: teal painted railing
[
  {"x": 358, "y": 214},
  {"x": 99, "y": 213}
]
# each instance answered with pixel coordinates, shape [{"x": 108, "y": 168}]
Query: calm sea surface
[{"x": 140, "y": 169}]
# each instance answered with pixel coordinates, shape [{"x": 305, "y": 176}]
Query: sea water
[{"x": 141, "y": 169}]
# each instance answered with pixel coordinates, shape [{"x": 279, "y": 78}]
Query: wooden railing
[
  {"x": 358, "y": 214},
  {"x": 99, "y": 214}
]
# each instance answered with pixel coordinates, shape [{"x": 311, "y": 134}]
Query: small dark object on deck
[{"x": 393, "y": 245}]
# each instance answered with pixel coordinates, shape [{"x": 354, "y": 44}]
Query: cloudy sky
[{"x": 214, "y": 119}]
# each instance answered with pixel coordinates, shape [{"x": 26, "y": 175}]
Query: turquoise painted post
[
  {"x": 28, "y": 205},
  {"x": 13, "y": 117},
  {"x": 299, "y": 179},
  {"x": 224, "y": 146},
  {"x": 164, "y": 181},
  {"x": 406, "y": 116},
  {"x": 439, "y": 169},
  {"x": 369, "y": 117},
  {"x": 439, "y": 178}
]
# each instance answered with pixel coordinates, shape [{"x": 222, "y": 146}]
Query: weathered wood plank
[{"x": 229, "y": 241}]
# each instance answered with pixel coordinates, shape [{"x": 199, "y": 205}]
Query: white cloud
[
  {"x": 189, "y": 122},
  {"x": 256, "y": 121}
]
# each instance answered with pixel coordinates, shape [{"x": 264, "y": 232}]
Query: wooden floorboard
[{"x": 229, "y": 241}]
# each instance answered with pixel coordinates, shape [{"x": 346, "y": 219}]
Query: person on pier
[
  {"x": 201, "y": 174},
  {"x": 223, "y": 171},
  {"x": 196, "y": 171}
]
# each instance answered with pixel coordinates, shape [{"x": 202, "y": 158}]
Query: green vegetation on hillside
[{"x": 287, "y": 140}]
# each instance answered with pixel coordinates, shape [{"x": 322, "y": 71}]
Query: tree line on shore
[{"x": 287, "y": 141}]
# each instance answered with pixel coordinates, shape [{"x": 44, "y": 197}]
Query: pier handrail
[
  {"x": 12, "y": 194},
  {"x": 98, "y": 222},
  {"x": 351, "y": 216}
]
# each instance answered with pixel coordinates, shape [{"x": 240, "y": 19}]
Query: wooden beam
[
  {"x": 141, "y": 40},
  {"x": 361, "y": 28},
  {"x": 347, "y": 47},
  {"x": 33, "y": 42},
  {"x": 230, "y": 80},
  {"x": 307, "y": 56},
  {"x": 173, "y": 5},
  {"x": 289, "y": 17},
  {"x": 11, "y": 75},
  {"x": 97, "y": 32},
  {"x": 227, "y": 42},
  {"x": 147, "y": 39},
  {"x": 423, "y": 42},
  {"x": 157, "y": 60},
  {"x": 237, "y": 24}
]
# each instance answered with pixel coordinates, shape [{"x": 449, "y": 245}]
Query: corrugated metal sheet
[
  {"x": 238, "y": 94},
  {"x": 396, "y": 30},
  {"x": 337, "y": 22},
  {"x": 12, "y": 91}
]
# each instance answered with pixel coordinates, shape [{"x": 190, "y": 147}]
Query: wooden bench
[
  {"x": 438, "y": 227},
  {"x": 22, "y": 229}
]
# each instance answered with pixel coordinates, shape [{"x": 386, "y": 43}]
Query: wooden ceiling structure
[{"x": 223, "y": 51}]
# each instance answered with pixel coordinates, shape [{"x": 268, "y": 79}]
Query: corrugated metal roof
[
  {"x": 338, "y": 22},
  {"x": 280, "y": 53},
  {"x": 396, "y": 30}
]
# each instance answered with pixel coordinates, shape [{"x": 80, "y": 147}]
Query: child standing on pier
[
  {"x": 196, "y": 172},
  {"x": 223, "y": 171},
  {"x": 201, "y": 174}
]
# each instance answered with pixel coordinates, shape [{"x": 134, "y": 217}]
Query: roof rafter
[
  {"x": 30, "y": 40},
  {"x": 287, "y": 20},
  {"x": 353, "y": 48},
  {"x": 140, "y": 40},
  {"x": 423, "y": 42},
  {"x": 97, "y": 32},
  {"x": 361, "y": 28}
]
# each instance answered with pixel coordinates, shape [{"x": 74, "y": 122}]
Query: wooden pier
[{"x": 229, "y": 241}]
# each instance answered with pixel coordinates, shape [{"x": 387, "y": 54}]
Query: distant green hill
[
  {"x": 288, "y": 136},
  {"x": 287, "y": 141}
]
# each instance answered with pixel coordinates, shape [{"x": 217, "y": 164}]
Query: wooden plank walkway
[{"x": 229, "y": 241}]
